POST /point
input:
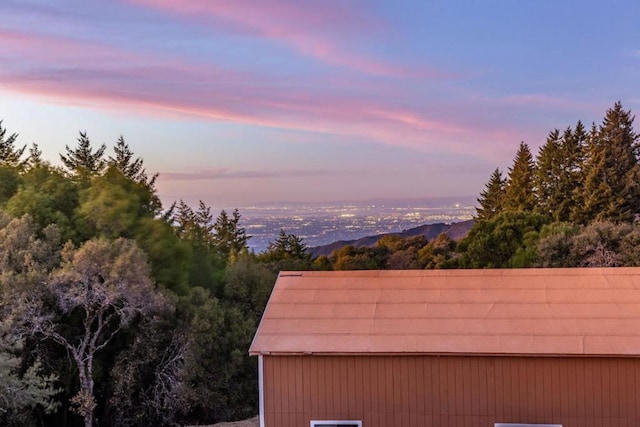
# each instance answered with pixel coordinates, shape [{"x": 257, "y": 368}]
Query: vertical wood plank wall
[{"x": 452, "y": 391}]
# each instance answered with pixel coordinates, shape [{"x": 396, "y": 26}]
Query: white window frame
[
  {"x": 319, "y": 423},
  {"x": 525, "y": 425}
]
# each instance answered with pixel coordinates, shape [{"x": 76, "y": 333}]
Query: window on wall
[{"x": 336, "y": 423}]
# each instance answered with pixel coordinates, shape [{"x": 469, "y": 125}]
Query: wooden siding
[{"x": 452, "y": 391}]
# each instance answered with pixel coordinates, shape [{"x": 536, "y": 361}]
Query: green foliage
[
  {"x": 519, "y": 195},
  {"x": 48, "y": 197},
  {"x": 611, "y": 171},
  {"x": 599, "y": 244},
  {"x": 492, "y": 199},
  {"x": 578, "y": 177},
  {"x": 493, "y": 243},
  {"x": 403, "y": 252},
  {"x": 393, "y": 252},
  {"x": 220, "y": 378},
  {"x": 9, "y": 183},
  {"x": 83, "y": 162},
  {"x": 145, "y": 363},
  {"x": 169, "y": 256},
  {"x": 25, "y": 260},
  {"x": 35, "y": 157},
  {"x": 287, "y": 253},
  {"x": 553, "y": 248},
  {"x": 10, "y": 155},
  {"x": 133, "y": 169},
  {"x": 322, "y": 263},
  {"x": 196, "y": 229},
  {"x": 147, "y": 377},
  {"x": 248, "y": 286},
  {"x": 179, "y": 354},
  {"x": 125, "y": 163},
  {"x": 229, "y": 237},
  {"x": 107, "y": 284},
  {"x": 21, "y": 390},
  {"x": 439, "y": 253},
  {"x": 362, "y": 258},
  {"x": 559, "y": 173},
  {"x": 549, "y": 168},
  {"x": 112, "y": 206}
]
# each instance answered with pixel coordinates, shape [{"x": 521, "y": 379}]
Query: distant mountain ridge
[{"x": 455, "y": 231}]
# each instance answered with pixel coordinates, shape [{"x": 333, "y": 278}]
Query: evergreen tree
[
  {"x": 229, "y": 237},
  {"x": 35, "y": 156},
  {"x": 612, "y": 172},
  {"x": 549, "y": 167},
  {"x": 82, "y": 162},
  {"x": 9, "y": 154},
  {"x": 492, "y": 198},
  {"x": 519, "y": 192},
  {"x": 125, "y": 163},
  {"x": 288, "y": 246},
  {"x": 558, "y": 172},
  {"x": 197, "y": 227},
  {"x": 134, "y": 170},
  {"x": 287, "y": 252},
  {"x": 495, "y": 243},
  {"x": 571, "y": 175}
]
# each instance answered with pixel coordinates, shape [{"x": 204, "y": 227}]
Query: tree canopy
[{"x": 114, "y": 311}]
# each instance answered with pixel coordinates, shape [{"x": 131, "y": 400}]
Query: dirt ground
[{"x": 253, "y": 422}]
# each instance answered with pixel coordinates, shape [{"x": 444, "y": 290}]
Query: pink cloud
[
  {"x": 69, "y": 71},
  {"x": 216, "y": 174},
  {"x": 326, "y": 30}
]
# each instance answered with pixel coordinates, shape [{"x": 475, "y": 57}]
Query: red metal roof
[{"x": 518, "y": 311}]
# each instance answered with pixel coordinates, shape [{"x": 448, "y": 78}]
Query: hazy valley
[{"x": 323, "y": 224}]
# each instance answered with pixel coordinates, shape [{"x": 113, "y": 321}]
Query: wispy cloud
[
  {"x": 70, "y": 71},
  {"x": 327, "y": 30},
  {"x": 548, "y": 102},
  {"x": 217, "y": 174}
]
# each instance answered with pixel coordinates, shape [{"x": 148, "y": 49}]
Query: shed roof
[{"x": 519, "y": 311}]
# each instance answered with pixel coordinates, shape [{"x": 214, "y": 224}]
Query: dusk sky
[{"x": 239, "y": 102}]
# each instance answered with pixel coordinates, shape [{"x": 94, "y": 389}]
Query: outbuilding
[{"x": 463, "y": 348}]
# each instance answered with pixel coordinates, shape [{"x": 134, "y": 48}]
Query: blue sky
[{"x": 249, "y": 101}]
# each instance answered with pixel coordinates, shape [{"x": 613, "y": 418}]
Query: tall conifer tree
[
  {"x": 558, "y": 172},
  {"x": 10, "y": 155},
  {"x": 492, "y": 198},
  {"x": 612, "y": 172},
  {"x": 82, "y": 162},
  {"x": 549, "y": 166},
  {"x": 519, "y": 193}
]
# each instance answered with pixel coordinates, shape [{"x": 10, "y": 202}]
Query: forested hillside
[
  {"x": 115, "y": 310},
  {"x": 575, "y": 205},
  {"x": 455, "y": 231}
]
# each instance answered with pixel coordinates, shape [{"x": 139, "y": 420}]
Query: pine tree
[
  {"x": 288, "y": 246},
  {"x": 229, "y": 237},
  {"x": 572, "y": 175},
  {"x": 612, "y": 172},
  {"x": 9, "y": 154},
  {"x": 134, "y": 170},
  {"x": 549, "y": 167},
  {"x": 35, "y": 156},
  {"x": 519, "y": 191},
  {"x": 558, "y": 172},
  {"x": 82, "y": 162},
  {"x": 492, "y": 198},
  {"x": 125, "y": 163}
]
